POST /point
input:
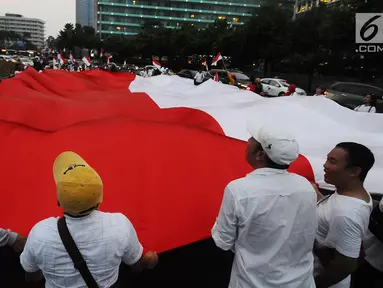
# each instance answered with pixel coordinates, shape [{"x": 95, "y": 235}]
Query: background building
[
  {"x": 304, "y": 5},
  {"x": 126, "y": 17},
  {"x": 289, "y": 4},
  {"x": 20, "y": 24},
  {"x": 86, "y": 12}
]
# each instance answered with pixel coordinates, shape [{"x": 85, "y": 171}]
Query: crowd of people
[
  {"x": 369, "y": 101},
  {"x": 40, "y": 64},
  {"x": 283, "y": 231}
]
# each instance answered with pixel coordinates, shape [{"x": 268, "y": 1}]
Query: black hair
[
  {"x": 373, "y": 99},
  {"x": 359, "y": 156},
  {"x": 271, "y": 163}
]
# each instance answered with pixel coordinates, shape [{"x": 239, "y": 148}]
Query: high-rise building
[
  {"x": 20, "y": 24},
  {"x": 289, "y": 4},
  {"x": 304, "y": 5},
  {"x": 86, "y": 12},
  {"x": 126, "y": 17}
]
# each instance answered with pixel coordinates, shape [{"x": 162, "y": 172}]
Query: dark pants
[
  {"x": 11, "y": 272},
  {"x": 200, "y": 265},
  {"x": 367, "y": 277}
]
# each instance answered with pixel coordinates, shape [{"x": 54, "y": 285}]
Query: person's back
[
  {"x": 104, "y": 240},
  {"x": 277, "y": 224},
  {"x": 199, "y": 77},
  {"x": 268, "y": 218}
]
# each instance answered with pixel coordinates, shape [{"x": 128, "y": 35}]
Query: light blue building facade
[
  {"x": 86, "y": 12},
  {"x": 126, "y": 17}
]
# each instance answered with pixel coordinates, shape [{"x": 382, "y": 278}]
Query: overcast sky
[{"x": 55, "y": 13}]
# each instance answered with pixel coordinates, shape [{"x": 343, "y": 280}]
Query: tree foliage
[{"x": 13, "y": 40}]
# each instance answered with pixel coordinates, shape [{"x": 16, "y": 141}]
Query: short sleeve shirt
[
  {"x": 104, "y": 240},
  {"x": 269, "y": 220},
  {"x": 342, "y": 225}
]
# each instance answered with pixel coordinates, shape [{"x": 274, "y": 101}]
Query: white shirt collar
[
  {"x": 267, "y": 171},
  {"x": 80, "y": 218}
]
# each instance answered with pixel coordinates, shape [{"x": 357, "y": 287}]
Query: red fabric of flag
[{"x": 165, "y": 169}]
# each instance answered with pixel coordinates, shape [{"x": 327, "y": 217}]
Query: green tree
[
  {"x": 66, "y": 38},
  {"x": 186, "y": 40},
  {"x": 51, "y": 42},
  {"x": 155, "y": 39},
  {"x": 267, "y": 35}
]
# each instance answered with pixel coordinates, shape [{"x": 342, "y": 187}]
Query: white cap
[{"x": 279, "y": 145}]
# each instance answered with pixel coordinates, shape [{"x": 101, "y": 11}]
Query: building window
[
  {"x": 192, "y": 16},
  {"x": 221, "y": 17},
  {"x": 235, "y": 19}
]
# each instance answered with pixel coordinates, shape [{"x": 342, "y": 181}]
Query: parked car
[
  {"x": 7, "y": 58},
  {"x": 186, "y": 73},
  {"x": 222, "y": 76},
  {"x": 113, "y": 66},
  {"x": 26, "y": 61},
  {"x": 278, "y": 87},
  {"x": 350, "y": 95}
]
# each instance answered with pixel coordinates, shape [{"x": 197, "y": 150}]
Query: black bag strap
[{"x": 75, "y": 254}]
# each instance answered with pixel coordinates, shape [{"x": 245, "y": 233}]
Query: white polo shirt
[
  {"x": 342, "y": 224},
  {"x": 104, "y": 240},
  {"x": 269, "y": 220}
]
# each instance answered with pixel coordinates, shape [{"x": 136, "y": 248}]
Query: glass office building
[
  {"x": 86, "y": 12},
  {"x": 126, "y": 17},
  {"x": 304, "y": 5}
]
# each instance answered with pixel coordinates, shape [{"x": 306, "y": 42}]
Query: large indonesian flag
[{"x": 165, "y": 169}]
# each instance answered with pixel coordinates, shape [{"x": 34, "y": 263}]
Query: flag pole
[{"x": 224, "y": 66}]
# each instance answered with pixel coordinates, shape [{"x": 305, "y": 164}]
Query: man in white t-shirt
[
  {"x": 199, "y": 77},
  {"x": 343, "y": 217},
  {"x": 104, "y": 239},
  {"x": 268, "y": 218}
]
